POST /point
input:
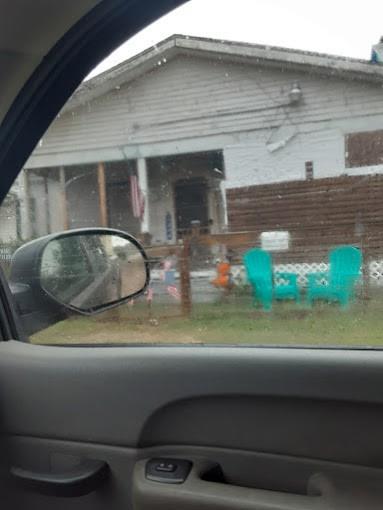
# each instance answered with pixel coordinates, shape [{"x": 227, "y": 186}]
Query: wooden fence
[
  {"x": 318, "y": 214},
  {"x": 236, "y": 243}
]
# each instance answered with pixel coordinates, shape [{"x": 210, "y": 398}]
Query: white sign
[{"x": 275, "y": 241}]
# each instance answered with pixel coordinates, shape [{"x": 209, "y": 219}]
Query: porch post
[
  {"x": 142, "y": 173},
  {"x": 224, "y": 204},
  {"x": 102, "y": 195},
  {"x": 64, "y": 209}
]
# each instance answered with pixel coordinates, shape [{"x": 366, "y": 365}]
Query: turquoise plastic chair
[
  {"x": 338, "y": 284},
  {"x": 259, "y": 270}
]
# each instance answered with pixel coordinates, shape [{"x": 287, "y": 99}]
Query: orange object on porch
[{"x": 223, "y": 278}]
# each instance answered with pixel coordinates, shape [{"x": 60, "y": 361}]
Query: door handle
[
  {"x": 83, "y": 479},
  {"x": 195, "y": 492}
]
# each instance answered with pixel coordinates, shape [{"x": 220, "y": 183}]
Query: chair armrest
[{"x": 292, "y": 278}]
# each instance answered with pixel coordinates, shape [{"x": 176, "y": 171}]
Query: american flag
[{"x": 137, "y": 197}]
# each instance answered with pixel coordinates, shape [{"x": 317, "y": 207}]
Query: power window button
[
  {"x": 167, "y": 470},
  {"x": 166, "y": 467}
]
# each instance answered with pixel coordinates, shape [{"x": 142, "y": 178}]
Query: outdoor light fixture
[{"x": 295, "y": 93}]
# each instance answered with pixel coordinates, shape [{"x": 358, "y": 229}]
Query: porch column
[
  {"x": 224, "y": 204},
  {"x": 142, "y": 173},
  {"x": 64, "y": 209},
  {"x": 102, "y": 195}
]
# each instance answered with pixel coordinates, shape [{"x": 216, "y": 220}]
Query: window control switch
[
  {"x": 166, "y": 467},
  {"x": 167, "y": 470}
]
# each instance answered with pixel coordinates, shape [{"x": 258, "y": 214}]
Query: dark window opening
[{"x": 191, "y": 203}]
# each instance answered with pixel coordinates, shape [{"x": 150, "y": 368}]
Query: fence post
[{"x": 184, "y": 268}]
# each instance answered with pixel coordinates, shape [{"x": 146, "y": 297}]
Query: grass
[{"x": 234, "y": 321}]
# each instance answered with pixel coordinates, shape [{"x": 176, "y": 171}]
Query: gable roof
[{"x": 245, "y": 53}]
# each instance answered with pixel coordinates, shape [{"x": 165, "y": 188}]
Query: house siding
[
  {"x": 188, "y": 98},
  {"x": 252, "y": 163}
]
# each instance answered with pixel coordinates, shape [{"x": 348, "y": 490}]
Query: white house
[{"x": 206, "y": 125}]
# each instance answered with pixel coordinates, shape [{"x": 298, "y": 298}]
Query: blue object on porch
[
  {"x": 338, "y": 284},
  {"x": 170, "y": 277},
  {"x": 265, "y": 287}
]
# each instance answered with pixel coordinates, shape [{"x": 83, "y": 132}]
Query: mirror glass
[{"x": 90, "y": 271}]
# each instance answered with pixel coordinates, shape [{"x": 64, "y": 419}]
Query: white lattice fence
[
  {"x": 302, "y": 270},
  {"x": 376, "y": 272}
]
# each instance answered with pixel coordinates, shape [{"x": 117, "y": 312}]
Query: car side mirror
[{"x": 84, "y": 270}]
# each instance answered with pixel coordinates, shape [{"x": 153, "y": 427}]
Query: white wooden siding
[
  {"x": 188, "y": 98},
  {"x": 249, "y": 164}
]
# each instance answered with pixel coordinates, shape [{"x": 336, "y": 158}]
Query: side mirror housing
[{"x": 82, "y": 271}]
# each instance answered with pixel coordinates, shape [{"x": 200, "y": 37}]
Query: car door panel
[
  {"x": 276, "y": 440},
  {"x": 252, "y": 479},
  {"x": 326, "y": 488}
]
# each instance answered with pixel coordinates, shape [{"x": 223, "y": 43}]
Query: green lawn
[{"x": 231, "y": 322}]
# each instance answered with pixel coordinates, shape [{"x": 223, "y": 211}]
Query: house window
[
  {"x": 309, "y": 167},
  {"x": 364, "y": 149}
]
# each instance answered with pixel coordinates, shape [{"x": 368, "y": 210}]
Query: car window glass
[{"x": 245, "y": 152}]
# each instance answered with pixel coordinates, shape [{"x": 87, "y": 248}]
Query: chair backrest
[
  {"x": 345, "y": 265},
  {"x": 258, "y": 265}
]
